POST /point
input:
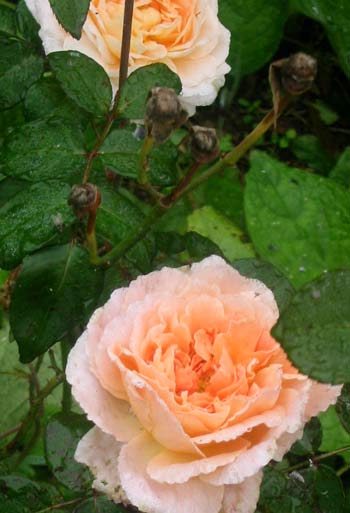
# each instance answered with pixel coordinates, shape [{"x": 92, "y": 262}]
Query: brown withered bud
[
  {"x": 164, "y": 113},
  {"x": 204, "y": 144},
  {"x": 84, "y": 198},
  {"x": 298, "y": 73}
]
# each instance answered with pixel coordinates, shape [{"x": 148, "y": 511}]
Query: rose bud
[
  {"x": 190, "y": 393},
  {"x": 204, "y": 144},
  {"x": 84, "y": 198},
  {"x": 164, "y": 113},
  {"x": 298, "y": 73}
]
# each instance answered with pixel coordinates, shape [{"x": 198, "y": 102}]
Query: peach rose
[
  {"x": 186, "y": 35},
  {"x": 190, "y": 394}
]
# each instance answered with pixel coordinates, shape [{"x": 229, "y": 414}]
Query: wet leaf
[{"x": 71, "y": 14}]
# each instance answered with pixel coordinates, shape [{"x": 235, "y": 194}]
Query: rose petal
[
  {"x": 194, "y": 496},
  {"x": 100, "y": 452},
  {"x": 111, "y": 415},
  {"x": 243, "y": 498}
]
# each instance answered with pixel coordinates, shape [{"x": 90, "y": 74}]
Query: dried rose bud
[
  {"x": 164, "y": 113},
  {"x": 298, "y": 73},
  {"x": 204, "y": 144},
  {"x": 84, "y": 198}
]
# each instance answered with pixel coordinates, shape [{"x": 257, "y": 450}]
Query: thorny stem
[
  {"x": 147, "y": 145},
  {"x": 123, "y": 73},
  {"x": 73, "y": 502},
  {"x": 33, "y": 413},
  {"x": 187, "y": 184},
  {"x": 316, "y": 459}
]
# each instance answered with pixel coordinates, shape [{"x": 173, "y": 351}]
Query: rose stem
[
  {"x": 123, "y": 73},
  {"x": 181, "y": 186},
  {"x": 147, "y": 146},
  {"x": 73, "y": 502},
  {"x": 32, "y": 414},
  {"x": 165, "y": 203},
  {"x": 316, "y": 459}
]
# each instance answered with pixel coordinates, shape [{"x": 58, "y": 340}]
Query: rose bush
[
  {"x": 190, "y": 394},
  {"x": 187, "y": 36}
]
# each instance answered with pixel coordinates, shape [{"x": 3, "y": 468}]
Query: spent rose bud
[
  {"x": 84, "y": 198},
  {"x": 298, "y": 73},
  {"x": 164, "y": 113},
  {"x": 204, "y": 144},
  {"x": 190, "y": 394}
]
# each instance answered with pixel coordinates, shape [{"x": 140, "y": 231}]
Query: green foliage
[
  {"x": 71, "y": 14},
  {"x": 43, "y": 150},
  {"x": 256, "y": 29},
  {"x": 343, "y": 407},
  {"x": 62, "y": 288},
  {"x": 298, "y": 221},
  {"x": 19, "y": 69},
  {"x": 83, "y": 80},
  {"x": 315, "y": 328},
  {"x": 63, "y": 432},
  {"x": 136, "y": 89},
  {"x": 311, "y": 440},
  {"x": 341, "y": 171},
  {"x": 33, "y": 216}
]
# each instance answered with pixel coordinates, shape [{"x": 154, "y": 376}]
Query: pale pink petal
[
  {"x": 100, "y": 452},
  {"x": 194, "y": 496},
  {"x": 111, "y": 415},
  {"x": 244, "y": 497},
  {"x": 322, "y": 396}
]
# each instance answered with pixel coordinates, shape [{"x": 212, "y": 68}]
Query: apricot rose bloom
[
  {"x": 184, "y": 34},
  {"x": 190, "y": 394}
]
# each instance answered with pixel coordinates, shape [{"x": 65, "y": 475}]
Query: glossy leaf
[
  {"x": 135, "y": 91},
  {"x": 208, "y": 223},
  {"x": 298, "y": 221},
  {"x": 83, "y": 80},
  {"x": 256, "y": 28},
  {"x": 19, "y": 69},
  {"x": 71, "y": 14},
  {"x": 343, "y": 407},
  {"x": 35, "y": 216},
  {"x": 117, "y": 217},
  {"x": 121, "y": 150},
  {"x": 57, "y": 289},
  {"x": 270, "y": 275},
  {"x": 44, "y": 150},
  {"x": 62, "y": 434},
  {"x": 315, "y": 329}
]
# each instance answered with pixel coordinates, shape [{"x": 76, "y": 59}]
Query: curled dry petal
[{"x": 190, "y": 393}]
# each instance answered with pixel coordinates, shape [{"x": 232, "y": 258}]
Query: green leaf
[
  {"x": 224, "y": 192},
  {"x": 36, "y": 216},
  {"x": 120, "y": 151},
  {"x": 326, "y": 113},
  {"x": 132, "y": 101},
  {"x": 62, "y": 434},
  {"x": 309, "y": 149},
  {"x": 256, "y": 28},
  {"x": 341, "y": 171},
  {"x": 44, "y": 150},
  {"x": 46, "y": 99},
  {"x": 208, "y": 223},
  {"x": 100, "y": 505},
  {"x": 71, "y": 14},
  {"x": 26, "y": 23},
  {"x": 311, "y": 440},
  {"x": 270, "y": 275},
  {"x": 20, "y": 495},
  {"x": 315, "y": 329},
  {"x": 9, "y": 187},
  {"x": 57, "y": 289},
  {"x": 298, "y": 221},
  {"x": 343, "y": 407},
  {"x": 83, "y": 80},
  {"x": 334, "y": 435},
  {"x": 19, "y": 69},
  {"x": 7, "y": 21},
  {"x": 335, "y": 17},
  {"x": 116, "y": 219}
]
